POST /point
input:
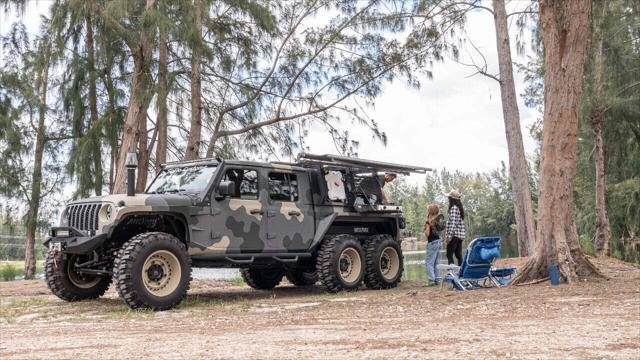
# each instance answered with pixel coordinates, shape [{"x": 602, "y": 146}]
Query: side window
[
  {"x": 283, "y": 187},
  {"x": 246, "y": 182}
]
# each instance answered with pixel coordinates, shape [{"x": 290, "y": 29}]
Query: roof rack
[
  {"x": 204, "y": 161},
  {"x": 355, "y": 163}
]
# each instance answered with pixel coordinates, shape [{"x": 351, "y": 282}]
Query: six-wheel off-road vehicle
[{"x": 317, "y": 219}]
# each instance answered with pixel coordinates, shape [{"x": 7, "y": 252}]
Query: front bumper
[{"x": 74, "y": 241}]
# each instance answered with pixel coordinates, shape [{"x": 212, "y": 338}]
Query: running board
[{"x": 248, "y": 259}]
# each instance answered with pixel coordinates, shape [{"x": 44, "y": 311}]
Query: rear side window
[
  {"x": 283, "y": 187},
  {"x": 246, "y": 183}
]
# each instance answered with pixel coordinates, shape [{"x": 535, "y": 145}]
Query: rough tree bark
[
  {"x": 143, "y": 157},
  {"x": 195, "y": 132},
  {"x": 36, "y": 177},
  {"x": 93, "y": 109},
  {"x": 564, "y": 27},
  {"x": 136, "y": 114},
  {"x": 518, "y": 169},
  {"x": 161, "y": 121},
  {"x": 603, "y": 228},
  {"x": 139, "y": 96}
]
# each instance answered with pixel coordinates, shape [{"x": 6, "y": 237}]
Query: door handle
[
  {"x": 294, "y": 213},
  {"x": 256, "y": 211}
]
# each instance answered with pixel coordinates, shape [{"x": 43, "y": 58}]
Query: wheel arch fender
[
  {"x": 174, "y": 223},
  {"x": 321, "y": 230}
]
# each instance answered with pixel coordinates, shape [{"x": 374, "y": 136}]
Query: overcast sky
[{"x": 453, "y": 121}]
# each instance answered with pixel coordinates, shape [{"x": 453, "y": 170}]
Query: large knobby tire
[
  {"x": 262, "y": 279},
  {"x": 384, "y": 263},
  {"x": 152, "y": 271},
  {"x": 340, "y": 264},
  {"x": 302, "y": 278},
  {"x": 69, "y": 285}
]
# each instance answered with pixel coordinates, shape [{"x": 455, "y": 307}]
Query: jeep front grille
[{"x": 83, "y": 216}]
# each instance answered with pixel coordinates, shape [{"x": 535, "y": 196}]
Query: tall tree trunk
[
  {"x": 214, "y": 137},
  {"x": 95, "y": 132},
  {"x": 518, "y": 169},
  {"x": 565, "y": 27},
  {"x": 161, "y": 121},
  {"x": 143, "y": 157},
  {"x": 111, "y": 129},
  {"x": 136, "y": 114},
  {"x": 36, "y": 177},
  {"x": 195, "y": 132},
  {"x": 139, "y": 98},
  {"x": 603, "y": 228},
  {"x": 112, "y": 167}
]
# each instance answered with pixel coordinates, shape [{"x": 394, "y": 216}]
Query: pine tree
[
  {"x": 565, "y": 27},
  {"x": 25, "y": 82}
]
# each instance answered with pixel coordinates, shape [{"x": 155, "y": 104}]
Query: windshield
[{"x": 192, "y": 179}]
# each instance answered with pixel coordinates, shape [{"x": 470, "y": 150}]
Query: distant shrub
[
  {"x": 8, "y": 272},
  {"x": 587, "y": 245},
  {"x": 617, "y": 254},
  {"x": 238, "y": 281}
]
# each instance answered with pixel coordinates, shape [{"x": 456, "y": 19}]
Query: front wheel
[
  {"x": 152, "y": 271},
  {"x": 68, "y": 284},
  {"x": 384, "y": 262}
]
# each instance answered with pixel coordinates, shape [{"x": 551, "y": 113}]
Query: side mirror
[{"x": 226, "y": 188}]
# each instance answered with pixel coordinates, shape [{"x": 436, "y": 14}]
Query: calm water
[{"x": 414, "y": 267}]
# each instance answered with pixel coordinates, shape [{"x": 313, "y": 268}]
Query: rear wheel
[
  {"x": 383, "y": 262},
  {"x": 340, "y": 263},
  {"x": 262, "y": 279},
  {"x": 66, "y": 283},
  {"x": 302, "y": 278},
  {"x": 153, "y": 271}
]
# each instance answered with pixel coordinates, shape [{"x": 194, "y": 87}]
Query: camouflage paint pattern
[
  {"x": 262, "y": 224},
  {"x": 234, "y": 225}
]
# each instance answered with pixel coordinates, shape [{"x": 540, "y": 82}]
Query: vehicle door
[
  {"x": 290, "y": 211},
  {"x": 238, "y": 224}
]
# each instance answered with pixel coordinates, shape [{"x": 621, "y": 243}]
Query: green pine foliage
[{"x": 486, "y": 198}]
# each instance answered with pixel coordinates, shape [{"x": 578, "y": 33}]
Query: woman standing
[
  {"x": 455, "y": 228},
  {"x": 432, "y": 230}
]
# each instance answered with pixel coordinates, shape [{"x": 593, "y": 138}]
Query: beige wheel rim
[
  {"x": 350, "y": 265},
  {"x": 389, "y": 263},
  {"x": 161, "y": 273},
  {"x": 82, "y": 281}
]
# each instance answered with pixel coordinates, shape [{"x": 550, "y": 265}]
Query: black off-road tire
[
  {"x": 70, "y": 287},
  {"x": 377, "y": 262},
  {"x": 302, "y": 278},
  {"x": 328, "y": 265},
  {"x": 262, "y": 279},
  {"x": 141, "y": 250}
]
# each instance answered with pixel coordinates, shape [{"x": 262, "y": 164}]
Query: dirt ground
[{"x": 591, "y": 319}]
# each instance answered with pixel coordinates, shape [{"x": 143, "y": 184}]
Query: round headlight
[
  {"x": 64, "y": 217},
  {"x": 108, "y": 211}
]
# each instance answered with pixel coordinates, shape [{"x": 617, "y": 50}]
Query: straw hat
[{"x": 453, "y": 194}]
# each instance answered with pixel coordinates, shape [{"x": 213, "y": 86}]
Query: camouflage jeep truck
[{"x": 306, "y": 221}]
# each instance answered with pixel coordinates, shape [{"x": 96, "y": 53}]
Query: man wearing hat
[{"x": 455, "y": 227}]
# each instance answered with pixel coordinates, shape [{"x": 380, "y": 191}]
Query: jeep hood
[{"x": 153, "y": 200}]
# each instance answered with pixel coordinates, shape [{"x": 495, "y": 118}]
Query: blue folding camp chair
[{"x": 477, "y": 269}]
